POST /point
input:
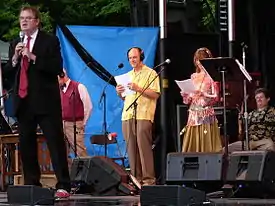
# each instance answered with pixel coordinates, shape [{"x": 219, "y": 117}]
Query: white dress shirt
[
  {"x": 25, "y": 41},
  {"x": 33, "y": 38},
  {"x": 85, "y": 98}
]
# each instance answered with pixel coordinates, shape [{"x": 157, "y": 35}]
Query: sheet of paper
[
  {"x": 186, "y": 86},
  {"x": 124, "y": 80},
  {"x": 246, "y": 74}
]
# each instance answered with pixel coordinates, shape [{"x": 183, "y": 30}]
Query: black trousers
[{"x": 51, "y": 125}]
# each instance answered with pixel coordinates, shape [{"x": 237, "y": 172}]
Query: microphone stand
[
  {"x": 103, "y": 97},
  {"x": 74, "y": 123},
  {"x": 1, "y": 98},
  {"x": 245, "y": 116},
  {"x": 74, "y": 118},
  {"x": 6, "y": 94},
  {"x": 134, "y": 104}
]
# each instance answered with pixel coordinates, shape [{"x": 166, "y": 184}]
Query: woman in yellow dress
[{"x": 201, "y": 132}]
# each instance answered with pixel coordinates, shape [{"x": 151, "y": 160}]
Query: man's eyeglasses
[{"x": 28, "y": 18}]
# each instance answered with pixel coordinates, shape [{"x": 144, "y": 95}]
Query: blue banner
[{"x": 108, "y": 46}]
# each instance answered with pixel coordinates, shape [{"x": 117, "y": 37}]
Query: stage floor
[{"x": 82, "y": 200}]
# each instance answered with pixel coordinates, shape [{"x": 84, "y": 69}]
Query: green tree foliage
[
  {"x": 74, "y": 12},
  {"x": 82, "y": 12},
  {"x": 9, "y": 23},
  {"x": 92, "y": 12},
  {"x": 208, "y": 16}
]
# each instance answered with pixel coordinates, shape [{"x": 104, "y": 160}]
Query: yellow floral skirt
[{"x": 202, "y": 138}]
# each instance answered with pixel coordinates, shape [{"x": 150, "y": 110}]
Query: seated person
[{"x": 261, "y": 125}]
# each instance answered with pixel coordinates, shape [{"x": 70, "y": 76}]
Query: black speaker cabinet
[
  {"x": 195, "y": 170},
  {"x": 252, "y": 172},
  {"x": 30, "y": 195},
  {"x": 81, "y": 169},
  {"x": 100, "y": 176},
  {"x": 251, "y": 166},
  {"x": 173, "y": 195},
  {"x": 193, "y": 166}
]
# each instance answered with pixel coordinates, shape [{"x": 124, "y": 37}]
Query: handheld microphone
[
  {"x": 21, "y": 35},
  {"x": 182, "y": 131}
]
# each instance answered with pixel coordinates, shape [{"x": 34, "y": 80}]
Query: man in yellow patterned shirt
[
  {"x": 139, "y": 138},
  {"x": 261, "y": 125}
]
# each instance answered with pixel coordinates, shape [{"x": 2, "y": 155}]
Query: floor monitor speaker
[{"x": 101, "y": 176}]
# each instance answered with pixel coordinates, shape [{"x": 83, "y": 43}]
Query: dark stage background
[{"x": 254, "y": 26}]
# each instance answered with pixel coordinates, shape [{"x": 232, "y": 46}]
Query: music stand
[
  {"x": 222, "y": 69},
  {"x": 4, "y": 126}
]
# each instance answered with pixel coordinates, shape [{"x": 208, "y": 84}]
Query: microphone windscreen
[
  {"x": 21, "y": 35},
  {"x": 121, "y": 65},
  {"x": 168, "y": 61}
]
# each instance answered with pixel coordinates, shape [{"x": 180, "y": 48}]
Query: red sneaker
[{"x": 61, "y": 193}]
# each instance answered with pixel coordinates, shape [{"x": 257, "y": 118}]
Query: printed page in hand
[
  {"x": 124, "y": 80},
  {"x": 186, "y": 86}
]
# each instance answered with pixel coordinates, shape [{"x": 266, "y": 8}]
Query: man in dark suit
[{"x": 36, "y": 61}]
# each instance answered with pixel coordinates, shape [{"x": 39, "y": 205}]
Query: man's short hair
[
  {"x": 264, "y": 91},
  {"x": 33, "y": 9}
]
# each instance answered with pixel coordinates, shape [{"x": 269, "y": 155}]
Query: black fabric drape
[{"x": 96, "y": 67}]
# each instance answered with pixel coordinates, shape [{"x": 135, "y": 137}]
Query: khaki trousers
[
  {"x": 263, "y": 144},
  {"x": 69, "y": 133},
  {"x": 139, "y": 148}
]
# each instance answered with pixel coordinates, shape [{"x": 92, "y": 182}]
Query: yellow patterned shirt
[
  {"x": 261, "y": 124},
  {"x": 145, "y": 106}
]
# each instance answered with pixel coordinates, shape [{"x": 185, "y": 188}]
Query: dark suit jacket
[{"x": 43, "y": 89}]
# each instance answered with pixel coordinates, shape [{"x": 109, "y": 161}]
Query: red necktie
[{"x": 23, "y": 84}]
